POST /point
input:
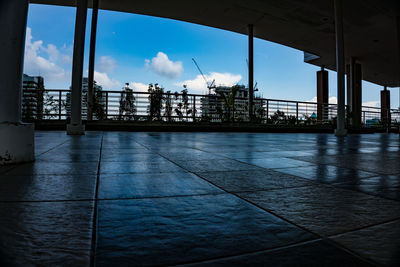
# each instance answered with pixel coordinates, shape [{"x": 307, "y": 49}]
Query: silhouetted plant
[
  {"x": 226, "y": 112},
  {"x": 178, "y": 111},
  {"x": 185, "y": 101},
  {"x": 259, "y": 115},
  {"x": 220, "y": 112},
  {"x": 182, "y": 108},
  {"x": 98, "y": 105},
  {"x": 193, "y": 112},
  {"x": 156, "y": 102},
  {"x": 278, "y": 116},
  {"x": 291, "y": 119},
  {"x": 310, "y": 119},
  {"x": 205, "y": 118},
  {"x": 127, "y": 107},
  {"x": 51, "y": 106},
  {"x": 168, "y": 106}
]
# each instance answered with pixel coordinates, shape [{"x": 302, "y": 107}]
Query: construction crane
[{"x": 211, "y": 85}]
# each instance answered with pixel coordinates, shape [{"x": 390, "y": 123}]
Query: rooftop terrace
[{"x": 121, "y": 198}]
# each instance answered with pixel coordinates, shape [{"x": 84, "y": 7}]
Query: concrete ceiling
[{"x": 307, "y": 25}]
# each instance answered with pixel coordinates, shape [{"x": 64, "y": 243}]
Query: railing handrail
[
  {"x": 199, "y": 95},
  {"x": 54, "y": 90}
]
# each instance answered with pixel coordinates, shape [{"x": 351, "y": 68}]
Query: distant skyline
[{"x": 141, "y": 49}]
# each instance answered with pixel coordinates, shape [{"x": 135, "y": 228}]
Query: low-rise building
[{"x": 214, "y": 108}]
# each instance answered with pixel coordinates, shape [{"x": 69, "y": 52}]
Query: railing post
[
  {"x": 267, "y": 110},
  {"x": 233, "y": 109},
  {"x": 307, "y": 109},
  {"x": 363, "y": 117},
  {"x": 59, "y": 104},
  {"x": 106, "y": 105},
  {"x": 194, "y": 108},
  {"x": 297, "y": 112},
  {"x": 389, "y": 120}
]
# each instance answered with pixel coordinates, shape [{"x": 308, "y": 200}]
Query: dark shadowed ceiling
[{"x": 307, "y": 25}]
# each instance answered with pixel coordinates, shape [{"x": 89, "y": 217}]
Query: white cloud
[
  {"x": 138, "y": 87},
  {"x": 314, "y": 99},
  {"x": 68, "y": 48},
  {"x": 163, "y": 66},
  {"x": 105, "y": 81},
  {"x": 221, "y": 79},
  {"x": 53, "y": 52},
  {"x": 35, "y": 64},
  {"x": 65, "y": 59},
  {"x": 106, "y": 64},
  {"x": 333, "y": 100}
]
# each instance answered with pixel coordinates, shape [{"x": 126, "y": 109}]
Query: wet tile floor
[{"x": 215, "y": 199}]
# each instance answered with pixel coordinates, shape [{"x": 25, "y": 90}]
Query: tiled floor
[{"x": 126, "y": 199}]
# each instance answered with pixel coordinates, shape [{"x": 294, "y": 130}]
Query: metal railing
[{"x": 182, "y": 107}]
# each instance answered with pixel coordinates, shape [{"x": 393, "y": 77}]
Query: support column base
[
  {"x": 75, "y": 129},
  {"x": 17, "y": 143},
  {"x": 340, "y": 132}
]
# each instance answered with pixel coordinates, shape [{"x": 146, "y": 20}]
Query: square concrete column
[
  {"x": 340, "y": 68},
  {"x": 385, "y": 107},
  {"x": 93, "y": 31},
  {"x": 16, "y": 138},
  {"x": 76, "y": 127},
  {"x": 349, "y": 93},
  {"x": 398, "y": 47},
  {"x": 322, "y": 95},
  {"x": 251, "y": 72},
  {"x": 354, "y": 94},
  {"x": 357, "y": 95}
]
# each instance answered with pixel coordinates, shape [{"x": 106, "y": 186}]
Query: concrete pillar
[
  {"x": 398, "y": 47},
  {"x": 349, "y": 92},
  {"x": 398, "y": 42},
  {"x": 340, "y": 68},
  {"x": 76, "y": 127},
  {"x": 16, "y": 138},
  {"x": 354, "y": 94},
  {"x": 90, "y": 93},
  {"x": 322, "y": 95},
  {"x": 251, "y": 72},
  {"x": 385, "y": 107},
  {"x": 356, "y": 90}
]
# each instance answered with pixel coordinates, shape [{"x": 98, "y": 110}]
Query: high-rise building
[{"x": 32, "y": 97}]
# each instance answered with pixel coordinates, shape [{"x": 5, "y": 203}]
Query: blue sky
[{"x": 142, "y": 49}]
